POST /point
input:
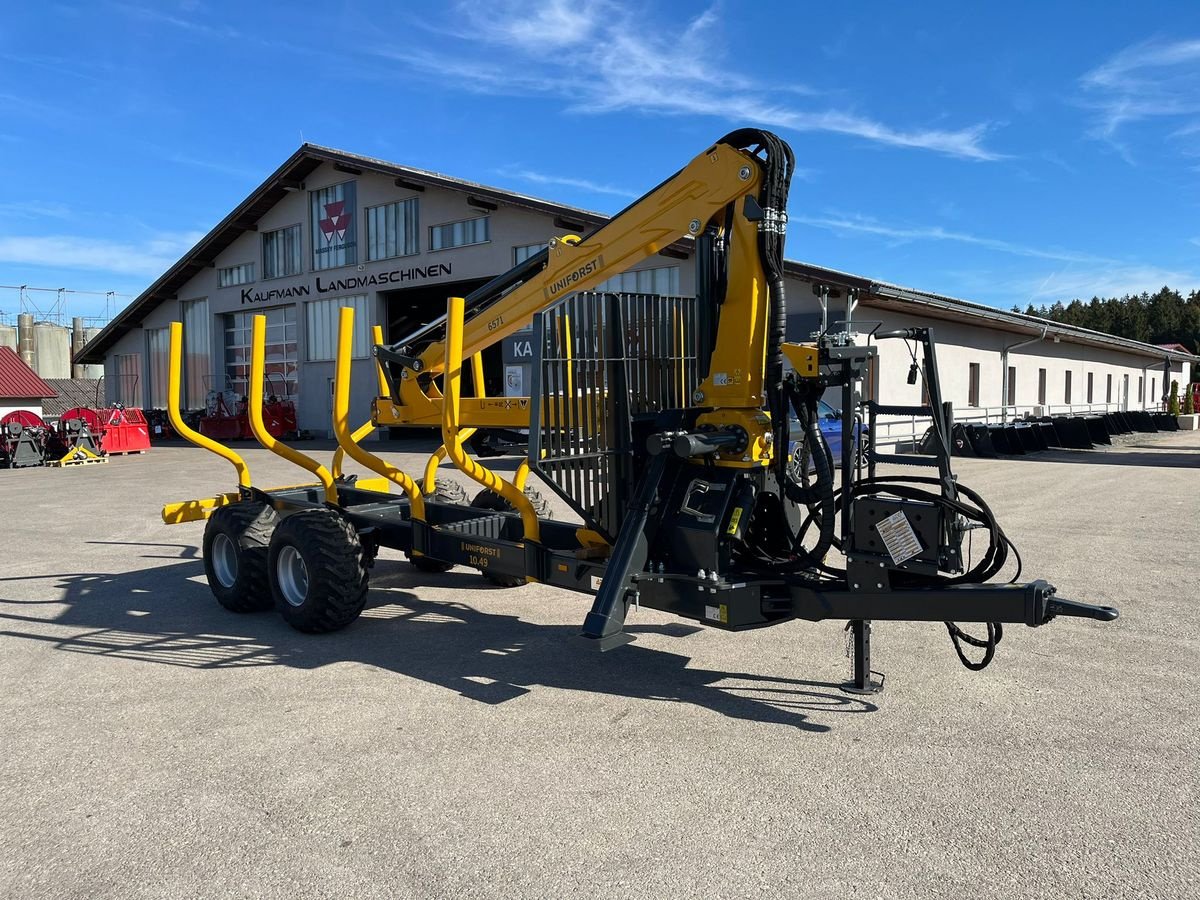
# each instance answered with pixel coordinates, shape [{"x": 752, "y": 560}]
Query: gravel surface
[{"x": 457, "y": 741}]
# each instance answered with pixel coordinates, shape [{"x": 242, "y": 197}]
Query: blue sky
[{"x": 1005, "y": 153}]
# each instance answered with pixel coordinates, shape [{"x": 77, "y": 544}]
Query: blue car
[{"x": 830, "y": 423}]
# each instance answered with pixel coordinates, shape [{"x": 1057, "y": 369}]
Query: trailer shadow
[{"x": 167, "y": 615}]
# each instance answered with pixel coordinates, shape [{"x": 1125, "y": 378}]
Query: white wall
[
  {"x": 958, "y": 345},
  {"x": 33, "y": 405}
]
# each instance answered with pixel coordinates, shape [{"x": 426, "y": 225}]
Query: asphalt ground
[{"x": 456, "y": 741}]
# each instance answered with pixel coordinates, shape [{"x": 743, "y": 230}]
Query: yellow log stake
[
  {"x": 339, "y": 455},
  {"x": 429, "y": 482},
  {"x": 452, "y": 436},
  {"x": 341, "y": 419},
  {"x": 258, "y": 341},
  {"x": 174, "y": 370}
]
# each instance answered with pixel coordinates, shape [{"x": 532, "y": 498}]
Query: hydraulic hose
[{"x": 778, "y": 163}]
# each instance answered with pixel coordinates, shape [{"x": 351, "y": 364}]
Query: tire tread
[{"x": 337, "y": 573}]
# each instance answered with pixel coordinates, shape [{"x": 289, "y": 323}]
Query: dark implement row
[{"x": 1027, "y": 436}]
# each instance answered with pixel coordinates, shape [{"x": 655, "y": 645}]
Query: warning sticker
[
  {"x": 898, "y": 537},
  {"x": 717, "y": 613}
]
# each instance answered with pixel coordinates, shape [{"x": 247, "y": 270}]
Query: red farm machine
[
  {"x": 116, "y": 428},
  {"x": 225, "y": 417},
  {"x": 22, "y": 440},
  {"x": 26, "y": 440}
]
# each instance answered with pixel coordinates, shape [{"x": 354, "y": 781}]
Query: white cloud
[
  {"x": 1113, "y": 280},
  {"x": 582, "y": 184},
  {"x": 1081, "y": 275},
  {"x": 147, "y": 258},
  {"x": 158, "y": 16},
  {"x": 36, "y": 209},
  {"x": 1152, "y": 79},
  {"x": 550, "y": 25},
  {"x": 607, "y": 58},
  {"x": 214, "y": 166},
  {"x": 865, "y": 225}
]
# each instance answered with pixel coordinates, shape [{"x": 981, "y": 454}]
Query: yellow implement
[{"x": 77, "y": 456}]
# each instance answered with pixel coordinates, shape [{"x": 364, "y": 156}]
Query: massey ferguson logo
[
  {"x": 559, "y": 285},
  {"x": 335, "y": 223}
]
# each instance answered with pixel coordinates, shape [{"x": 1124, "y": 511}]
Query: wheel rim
[
  {"x": 292, "y": 575},
  {"x": 224, "y": 555}
]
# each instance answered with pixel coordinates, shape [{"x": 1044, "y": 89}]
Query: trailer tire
[
  {"x": 235, "y": 544},
  {"x": 490, "y": 500},
  {"x": 317, "y": 571}
]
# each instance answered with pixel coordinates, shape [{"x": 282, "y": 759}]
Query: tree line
[{"x": 1164, "y": 317}]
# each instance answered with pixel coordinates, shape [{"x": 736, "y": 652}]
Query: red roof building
[{"x": 20, "y": 386}]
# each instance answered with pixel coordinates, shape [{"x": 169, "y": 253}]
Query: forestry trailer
[{"x": 663, "y": 423}]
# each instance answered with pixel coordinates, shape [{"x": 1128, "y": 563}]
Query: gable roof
[
  {"x": 290, "y": 177},
  {"x": 18, "y": 381}
]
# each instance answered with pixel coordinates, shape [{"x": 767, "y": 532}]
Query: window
[
  {"x": 1089, "y": 387},
  {"x": 232, "y": 276},
  {"x": 129, "y": 374},
  {"x": 321, "y": 327},
  {"x": 392, "y": 230},
  {"x": 973, "y": 385},
  {"x": 459, "y": 234},
  {"x": 1067, "y": 389},
  {"x": 522, "y": 253},
  {"x": 280, "y": 349},
  {"x": 663, "y": 281},
  {"x": 1108, "y": 390},
  {"x": 334, "y": 240},
  {"x": 157, "y": 355},
  {"x": 1011, "y": 400},
  {"x": 281, "y": 252},
  {"x": 1154, "y": 391},
  {"x": 197, "y": 354},
  {"x": 1042, "y": 387}
]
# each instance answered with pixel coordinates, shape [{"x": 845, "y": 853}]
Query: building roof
[
  {"x": 883, "y": 295},
  {"x": 73, "y": 392},
  {"x": 290, "y": 177},
  {"x": 18, "y": 381}
]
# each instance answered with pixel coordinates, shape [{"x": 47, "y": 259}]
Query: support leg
[
  {"x": 603, "y": 625},
  {"x": 862, "y": 682}
]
